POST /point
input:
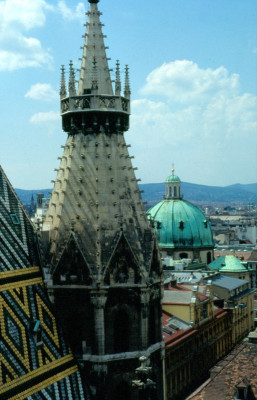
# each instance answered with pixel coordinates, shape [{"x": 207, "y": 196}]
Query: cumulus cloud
[
  {"x": 183, "y": 81},
  {"x": 42, "y": 91},
  {"x": 17, "y": 17},
  {"x": 45, "y": 117},
  {"x": 17, "y": 49},
  {"x": 197, "y": 118},
  {"x": 27, "y": 14},
  {"x": 69, "y": 14}
]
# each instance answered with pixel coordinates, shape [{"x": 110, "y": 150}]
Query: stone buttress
[{"x": 104, "y": 274}]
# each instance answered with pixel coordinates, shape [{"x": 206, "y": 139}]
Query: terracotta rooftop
[
  {"x": 237, "y": 369},
  {"x": 242, "y": 255}
]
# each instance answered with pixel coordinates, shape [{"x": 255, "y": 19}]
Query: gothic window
[
  {"x": 121, "y": 330},
  {"x": 122, "y": 268},
  {"x": 72, "y": 266}
]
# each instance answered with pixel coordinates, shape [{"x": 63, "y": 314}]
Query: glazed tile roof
[
  {"x": 239, "y": 366},
  {"x": 35, "y": 362}
]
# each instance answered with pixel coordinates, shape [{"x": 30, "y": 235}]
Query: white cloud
[
  {"x": 27, "y": 14},
  {"x": 17, "y": 17},
  {"x": 42, "y": 91},
  {"x": 183, "y": 81},
  {"x": 45, "y": 117},
  {"x": 197, "y": 118},
  {"x": 16, "y": 49},
  {"x": 69, "y": 14}
]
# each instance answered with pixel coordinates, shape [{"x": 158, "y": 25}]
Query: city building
[
  {"x": 35, "y": 361},
  {"x": 196, "y": 334},
  {"x": 235, "y": 295},
  {"x": 182, "y": 229},
  {"x": 105, "y": 273}
]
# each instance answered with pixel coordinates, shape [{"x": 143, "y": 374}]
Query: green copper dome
[
  {"x": 227, "y": 263},
  {"x": 173, "y": 178},
  {"x": 179, "y": 223}
]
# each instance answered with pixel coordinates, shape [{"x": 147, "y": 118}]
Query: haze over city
[{"x": 193, "y": 81}]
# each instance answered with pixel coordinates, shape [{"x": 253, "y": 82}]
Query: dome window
[
  {"x": 181, "y": 225},
  {"x": 205, "y": 223}
]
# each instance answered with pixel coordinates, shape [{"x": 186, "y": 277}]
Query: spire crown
[{"x": 96, "y": 106}]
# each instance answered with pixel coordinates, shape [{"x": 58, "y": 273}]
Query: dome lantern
[{"x": 173, "y": 187}]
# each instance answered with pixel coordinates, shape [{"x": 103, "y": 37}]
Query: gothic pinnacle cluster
[{"x": 82, "y": 110}]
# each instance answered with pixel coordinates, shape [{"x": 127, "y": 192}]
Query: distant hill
[{"x": 154, "y": 192}]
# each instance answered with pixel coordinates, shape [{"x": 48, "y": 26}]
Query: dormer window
[
  {"x": 181, "y": 225},
  {"x": 15, "y": 219}
]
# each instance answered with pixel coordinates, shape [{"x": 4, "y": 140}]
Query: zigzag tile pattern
[{"x": 35, "y": 362}]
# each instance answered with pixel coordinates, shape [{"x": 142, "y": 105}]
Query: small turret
[
  {"x": 63, "y": 91},
  {"x": 72, "y": 87},
  {"x": 127, "y": 91},
  {"x": 117, "y": 81}
]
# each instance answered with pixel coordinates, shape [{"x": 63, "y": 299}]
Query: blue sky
[{"x": 193, "y": 70}]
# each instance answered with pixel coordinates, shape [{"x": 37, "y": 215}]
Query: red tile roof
[{"x": 239, "y": 365}]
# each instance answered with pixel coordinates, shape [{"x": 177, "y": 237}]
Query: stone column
[
  {"x": 144, "y": 297},
  {"x": 98, "y": 299}
]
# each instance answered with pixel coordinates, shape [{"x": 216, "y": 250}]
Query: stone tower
[{"x": 104, "y": 273}]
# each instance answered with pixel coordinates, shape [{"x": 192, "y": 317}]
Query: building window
[
  {"x": 183, "y": 255},
  {"x": 181, "y": 225}
]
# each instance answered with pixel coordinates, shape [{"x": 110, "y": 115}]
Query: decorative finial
[
  {"x": 173, "y": 169},
  {"x": 117, "y": 81},
  {"x": 127, "y": 91},
  {"x": 72, "y": 88},
  {"x": 63, "y": 91}
]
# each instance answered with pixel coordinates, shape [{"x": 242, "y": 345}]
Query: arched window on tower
[
  {"x": 209, "y": 258},
  {"x": 175, "y": 191},
  {"x": 170, "y": 191},
  {"x": 121, "y": 331}
]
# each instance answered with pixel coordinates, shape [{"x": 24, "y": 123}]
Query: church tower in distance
[{"x": 104, "y": 273}]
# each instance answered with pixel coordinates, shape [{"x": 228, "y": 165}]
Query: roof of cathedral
[
  {"x": 181, "y": 224},
  {"x": 227, "y": 263},
  {"x": 237, "y": 370},
  {"x": 35, "y": 362}
]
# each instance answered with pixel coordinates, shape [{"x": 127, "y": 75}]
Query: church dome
[
  {"x": 227, "y": 263},
  {"x": 180, "y": 224}
]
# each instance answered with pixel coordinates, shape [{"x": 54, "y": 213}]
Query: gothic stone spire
[{"x": 105, "y": 268}]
